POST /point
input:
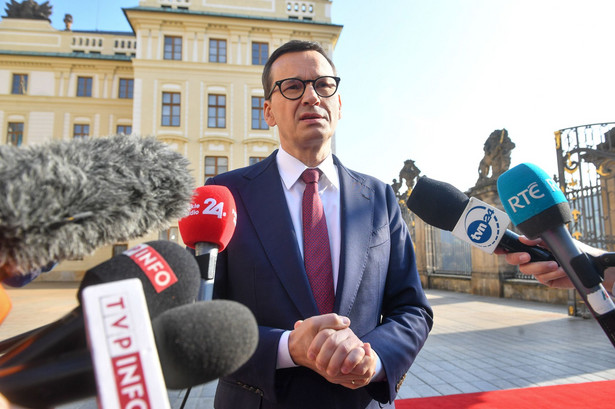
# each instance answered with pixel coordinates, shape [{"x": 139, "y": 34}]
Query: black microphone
[
  {"x": 538, "y": 208},
  {"x": 170, "y": 277},
  {"x": 64, "y": 199},
  {"x": 196, "y": 343},
  {"x": 208, "y": 339},
  {"x": 442, "y": 205}
]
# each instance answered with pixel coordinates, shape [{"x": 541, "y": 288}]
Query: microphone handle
[
  {"x": 607, "y": 322},
  {"x": 63, "y": 335},
  {"x": 8, "y": 343},
  {"x": 510, "y": 242},
  {"x": 580, "y": 270},
  {"x": 53, "y": 382},
  {"x": 201, "y": 250},
  {"x": 206, "y": 257}
]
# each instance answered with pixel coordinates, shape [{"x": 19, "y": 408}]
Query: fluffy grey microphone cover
[{"x": 64, "y": 199}]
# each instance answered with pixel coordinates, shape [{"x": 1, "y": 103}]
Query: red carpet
[{"x": 574, "y": 396}]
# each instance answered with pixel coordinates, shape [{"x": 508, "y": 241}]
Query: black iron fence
[{"x": 586, "y": 168}]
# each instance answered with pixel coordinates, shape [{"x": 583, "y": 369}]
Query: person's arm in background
[{"x": 550, "y": 273}]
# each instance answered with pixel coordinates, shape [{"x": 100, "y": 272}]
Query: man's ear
[
  {"x": 339, "y": 98},
  {"x": 268, "y": 113}
]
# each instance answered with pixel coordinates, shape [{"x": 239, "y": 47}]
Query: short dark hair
[{"x": 290, "y": 47}]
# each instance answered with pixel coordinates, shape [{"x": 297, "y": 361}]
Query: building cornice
[
  {"x": 85, "y": 56},
  {"x": 224, "y": 15}
]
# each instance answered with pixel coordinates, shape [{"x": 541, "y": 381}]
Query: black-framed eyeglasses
[{"x": 293, "y": 88}]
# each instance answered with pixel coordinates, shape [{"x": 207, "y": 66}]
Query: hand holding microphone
[
  {"x": 538, "y": 208},
  {"x": 548, "y": 273}
]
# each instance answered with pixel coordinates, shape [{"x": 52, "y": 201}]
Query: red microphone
[{"x": 209, "y": 226}]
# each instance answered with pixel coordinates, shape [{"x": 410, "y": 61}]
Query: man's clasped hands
[{"x": 327, "y": 345}]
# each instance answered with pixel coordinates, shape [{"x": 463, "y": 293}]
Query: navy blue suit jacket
[{"x": 262, "y": 268}]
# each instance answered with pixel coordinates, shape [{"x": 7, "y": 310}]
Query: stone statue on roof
[{"x": 28, "y": 9}]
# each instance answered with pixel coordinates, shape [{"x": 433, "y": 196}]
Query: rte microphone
[
  {"x": 441, "y": 205},
  {"x": 538, "y": 208},
  {"x": 170, "y": 277},
  {"x": 208, "y": 228},
  {"x": 196, "y": 343},
  {"x": 64, "y": 199}
]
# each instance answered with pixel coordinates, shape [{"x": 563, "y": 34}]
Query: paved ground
[{"x": 477, "y": 344}]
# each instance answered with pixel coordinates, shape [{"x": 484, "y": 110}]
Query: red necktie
[{"x": 316, "y": 250}]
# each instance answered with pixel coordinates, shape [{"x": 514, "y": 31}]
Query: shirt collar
[{"x": 291, "y": 169}]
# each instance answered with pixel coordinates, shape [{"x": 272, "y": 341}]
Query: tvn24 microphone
[
  {"x": 64, "y": 199},
  {"x": 441, "y": 205},
  {"x": 196, "y": 343},
  {"x": 538, "y": 208},
  {"x": 208, "y": 228},
  {"x": 170, "y": 277}
]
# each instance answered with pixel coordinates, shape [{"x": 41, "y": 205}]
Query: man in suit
[{"x": 352, "y": 347}]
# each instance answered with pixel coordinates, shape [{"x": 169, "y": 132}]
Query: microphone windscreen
[
  {"x": 64, "y": 199},
  {"x": 437, "y": 203},
  {"x": 200, "y": 342},
  {"x": 169, "y": 274},
  {"x": 532, "y": 200},
  {"x": 212, "y": 217}
]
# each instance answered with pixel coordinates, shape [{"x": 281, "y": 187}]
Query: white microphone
[
  {"x": 121, "y": 341},
  {"x": 483, "y": 226}
]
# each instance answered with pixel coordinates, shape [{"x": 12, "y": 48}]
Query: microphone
[
  {"x": 208, "y": 227},
  {"x": 196, "y": 343},
  {"x": 170, "y": 277},
  {"x": 64, "y": 199},
  {"x": 442, "y": 205},
  {"x": 121, "y": 344},
  {"x": 200, "y": 342},
  {"x": 538, "y": 208}
]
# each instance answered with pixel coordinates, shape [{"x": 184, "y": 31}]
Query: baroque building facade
[{"x": 188, "y": 73}]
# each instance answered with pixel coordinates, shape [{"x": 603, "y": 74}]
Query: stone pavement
[{"x": 477, "y": 344}]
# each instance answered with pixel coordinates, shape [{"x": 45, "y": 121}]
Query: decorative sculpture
[
  {"x": 408, "y": 173},
  {"x": 68, "y": 22},
  {"x": 396, "y": 185},
  {"x": 497, "y": 156},
  {"x": 28, "y": 9}
]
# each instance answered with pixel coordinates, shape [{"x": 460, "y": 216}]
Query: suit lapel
[
  {"x": 357, "y": 213},
  {"x": 269, "y": 214}
]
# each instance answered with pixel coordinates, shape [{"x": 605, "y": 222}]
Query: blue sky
[{"x": 429, "y": 80}]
